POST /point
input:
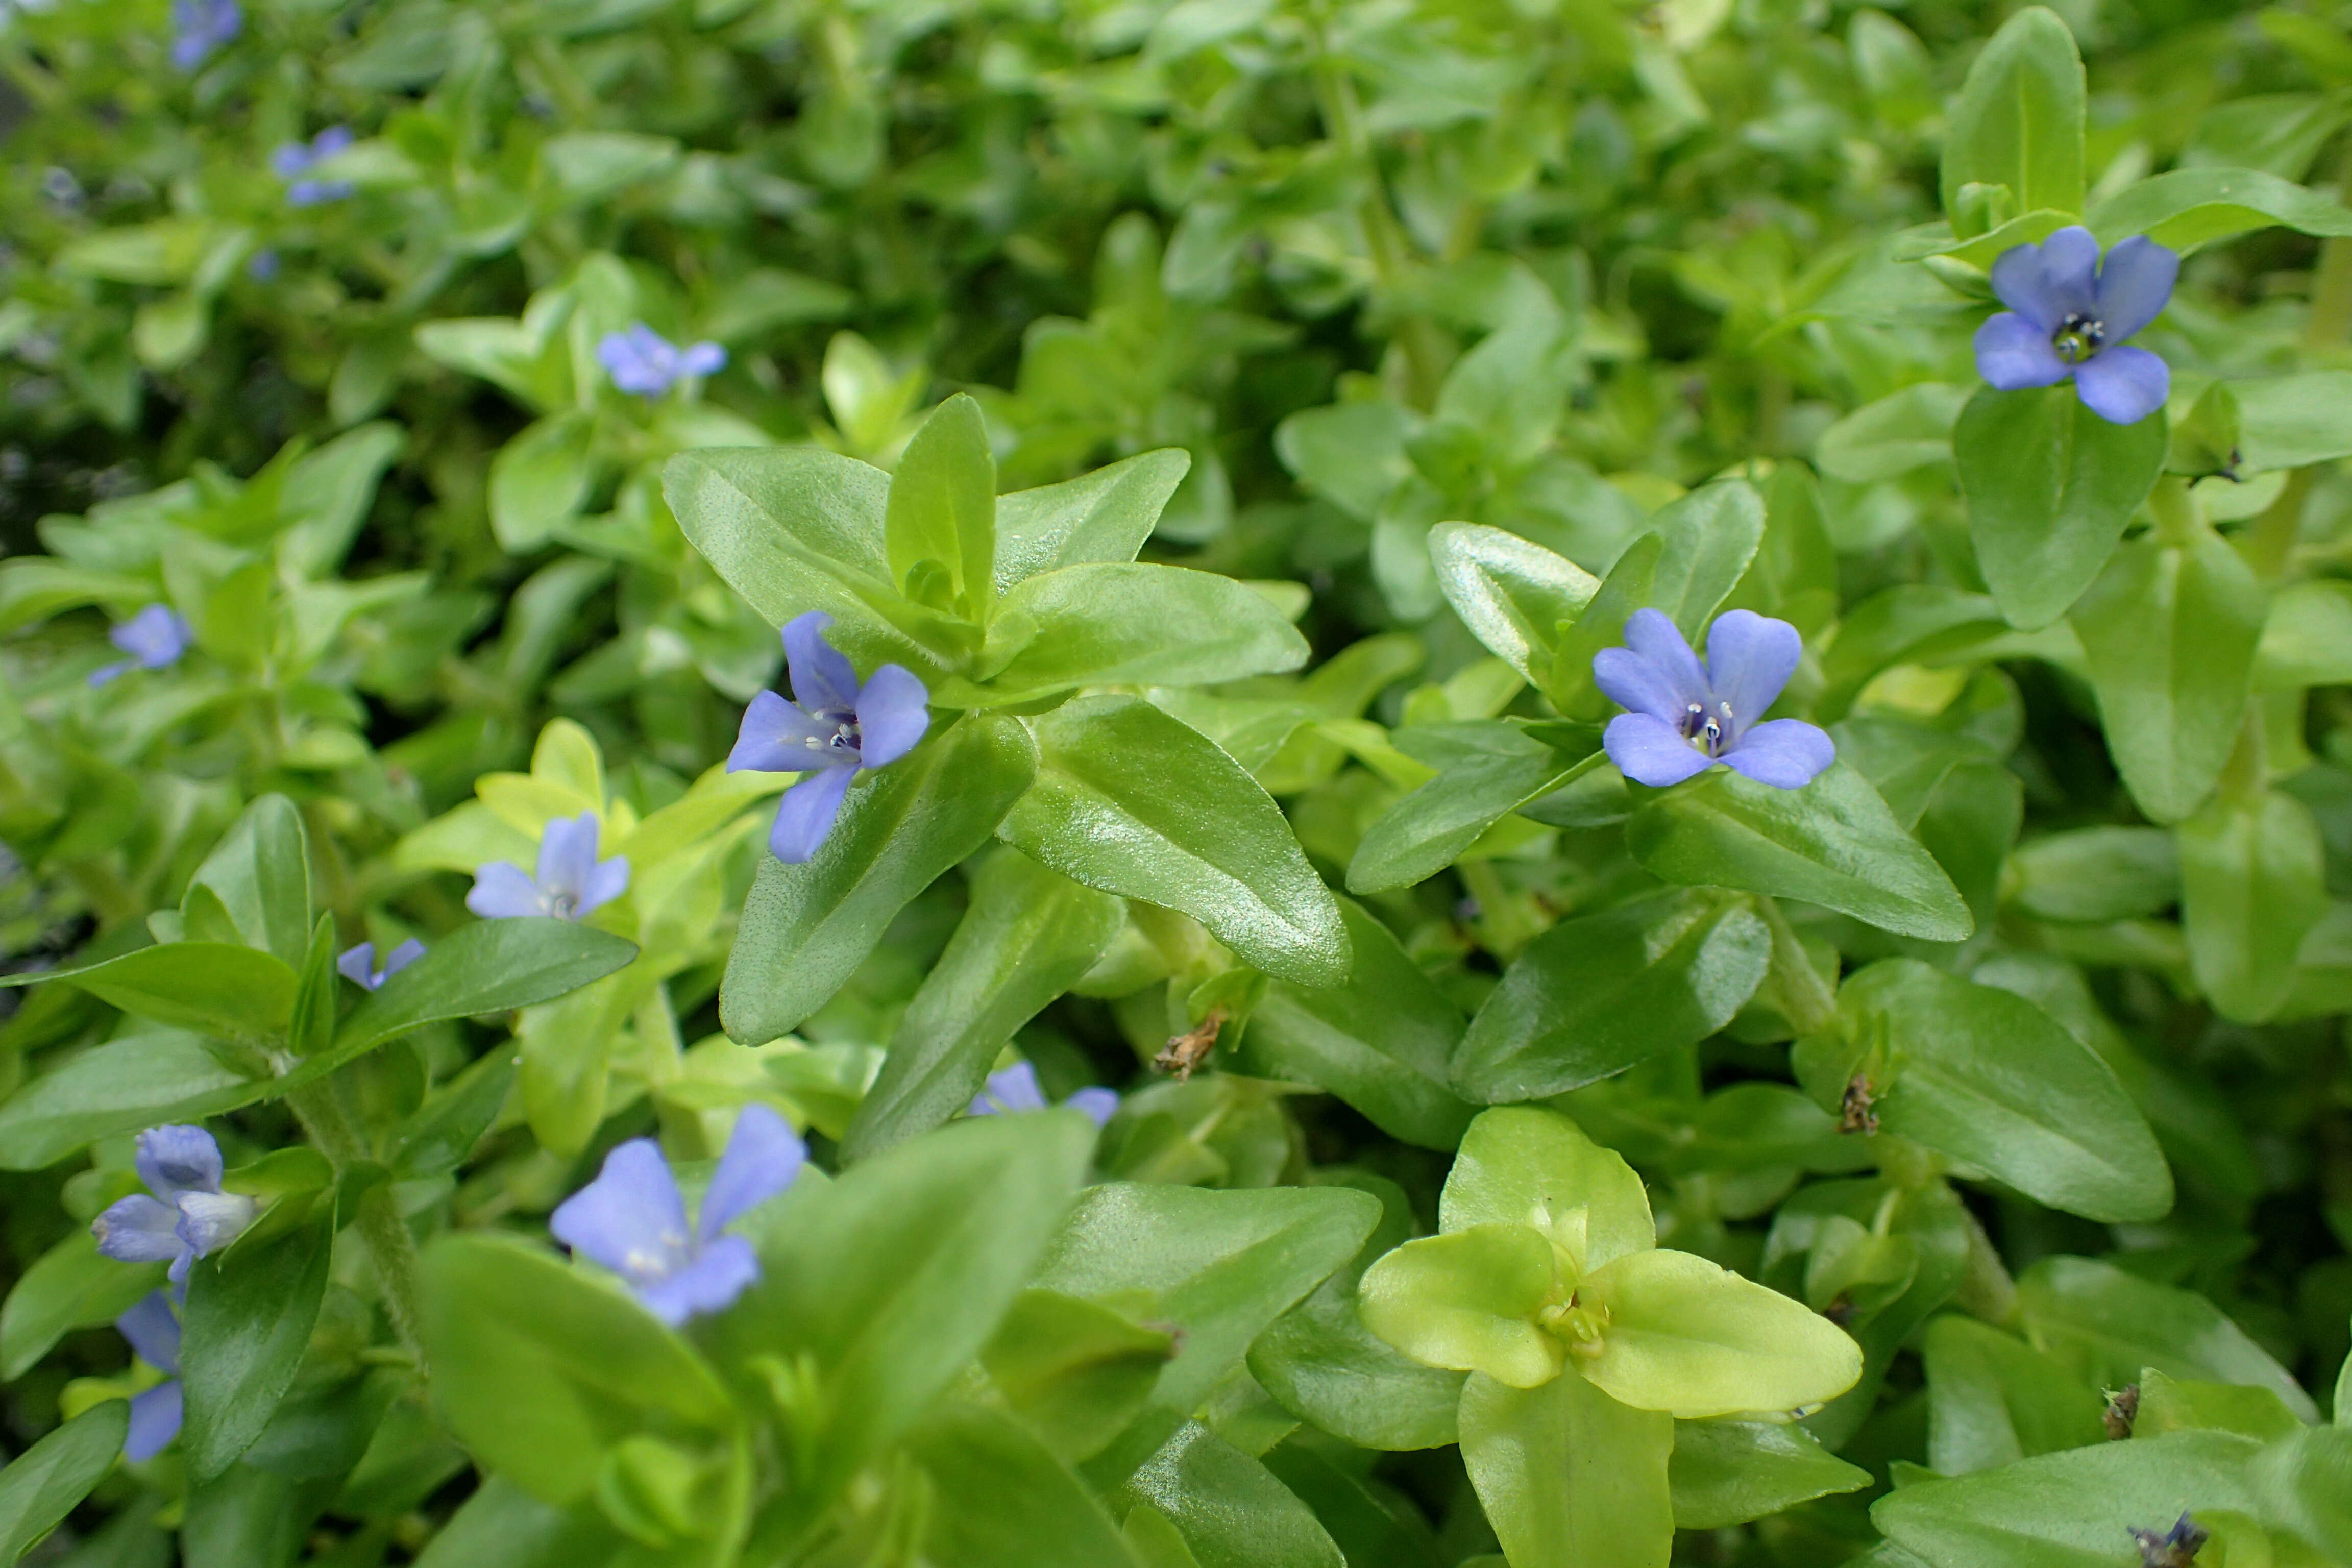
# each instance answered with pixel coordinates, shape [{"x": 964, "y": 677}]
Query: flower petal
[
  {"x": 2124, "y": 384},
  {"x": 176, "y": 1159},
  {"x": 608, "y": 882},
  {"x": 764, "y": 1156},
  {"x": 631, "y": 1218},
  {"x": 1632, "y": 682},
  {"x": 567, "y": 856},
  {"x": 1652, "y": 752},
  {"x": 115, "y": 672},
  {"x": 2134, "y": 285},
  {"x": 1785, "y": 754},
  {"x": 1750, "y": 658},
  {"x": 893, "y": 712},
  {"x": 210, "y": 1221},
  {"x": 155, "y": 1418},
  {"x": 707, "y": 1281},
  {"x": 138, "y": 1229},
  {"x": 1656, "y": 638},
  {"x": 155, "y": 637},
  {"x": 776, "y": 737},
  {"x": 2012, "y": 354},
  {"x": 358, "y": 965},
  {"x": 154, "y": 1332},
  {"x": 703, "y": 359},
  {"x": 400, "y": 957},
  {"x": 2070, "y": 272},
  {"x": 823, "y": 680},
  {"x": 503, "y": 890},
  {"x": 1015, "y": 1088},
  {"x": 1099, "y": 1104},
  {"x": 2018, "y": 283},
  {"x": 805, "y": 815}
]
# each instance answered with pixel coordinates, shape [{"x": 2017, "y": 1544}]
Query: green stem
[
  {"x": 2177, "y": 520},
  {"x": 1805, "y": 996},
  {"x": 389, "y": 1242}
]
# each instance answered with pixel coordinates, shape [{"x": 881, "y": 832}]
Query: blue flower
[
  {"x": 358, "y": 964},
  {"x": 832, "y": 729},
  {"x": 643, "y": 362},
  {"x": 155, "y": 1335},
  {"x": 189, "y": 1216},
  {"x": 155, "y": 638},
  {"x": 1686, "y": 717},
  {"x": 262, "y": 265},
  {"x": 294, "y": 161},
  {"x": 1016, "y": 1089},
  {"x": 200, "y": 26},
  {"x": 631, "y": 1217},
  {"x": 571, "y": 881},
  {"x": 2070, "y": 317},
  {"x": 2174, "y": 1549}
]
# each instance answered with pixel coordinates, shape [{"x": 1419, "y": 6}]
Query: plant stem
[
  {"x": 389, "y": 1242},
  {"x": 1805, "y": 996}
]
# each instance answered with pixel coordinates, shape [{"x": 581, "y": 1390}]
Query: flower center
[
  {"x": 2078, "y": 337},
  {"x": 1707, "y": 732},
  {"x": 843, "y": 744},
  {"x": 1582, "y": 1327}
]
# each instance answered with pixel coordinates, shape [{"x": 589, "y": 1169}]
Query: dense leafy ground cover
[{"x": 1286, "y": 1018}]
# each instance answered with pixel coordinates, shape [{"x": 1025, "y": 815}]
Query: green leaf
[
  {"x": 212, "y": 988},
  {"x": 1883, "y": 440},
  {"x": 1229, "y": 1509},
  {"x": 2108, "y": 1325},
  {"x": 1103, "y": 516},
  {"x": 1075, "y": 1372},
  {"x": 1629, "y": 587},
  {"x": 2169, "y": 634},
  {"x": 248, "y": 1321},
  {"x": 540, "y": 480},
  {"x": 1352, "y": 454},
  {"x": 2093, "y": 874},
  {"x": 942, "y": 506},
  {"x": 1687, "y": 1337},
  {"x": 1992, "y": 1399},
  {"x": 2293, "y": 421},
  {"x": 1122, "y": 622},
  {"x": 2189, "y": 208},
  {"x": 1027, "y": 937},
  {"x": 2050, "y": 486},
  {"x": 885, "y": 1283},
  {"x": 1512, "y": 594},
  {"x": 806, "y": 928},
  {"x": 43, "y": 1484},
  {"x": 1987, "y": 1078},
  {"x": 502, "y": 1526},
  {"x": 317, "y": 995},
  {"x": 541, "y": 1369},
  {"x": 1435, "y": 825},
  {"x": 1598, "y": 993},
  {"x": 1833, "y": 843},
  {"x": 1710, "y": 537},
  {"x": 1003, "y": 1501},
  {"x": 1220, "y": 1266},
  {"x": 1567, "y": 1475},
  {"x": 260, "y": 871},
  {"x": 1469, "y": 1300},
  {"x": 2307, "y": 640},
  {"x": 1729, "y": 1472},
  {"x": 122, "y": 1086},
  {"x": 2252, "y": 887},
  {"x": 2306, "y": 1483},
  {"x": 1381, "y": 1040},
  {"x": 1132, "y": 802},
  {"x": 72, "y": 1285},
  {"x": 2176, "y": 1404},
  {"x": 1521, "y": 1166},
  {"x": 2018, "y": 123}
]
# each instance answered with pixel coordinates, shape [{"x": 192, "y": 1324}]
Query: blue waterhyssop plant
[
  {"x": 188, "y": 1218},
  {"x": 832, "y": 729},
  {"x": 358, "y": 964},
  {"x": 642, "y": 361},
  {"x": 631, "y": 1217},
  {"x": 1686, "y": 716},
  {"x": 2068, "y": 316},
  {"x": 571, "y": 881},
  {"x": 155, "y": 638},
  {"x": 153, "y": 1331},
  {"x": 295, "y": 159}
]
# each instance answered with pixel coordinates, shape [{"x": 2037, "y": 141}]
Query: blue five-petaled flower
[
  {"x": 571, "y": 881},
  {"x": 643, "y": 362},
  {"x": 155, "y": 638},
  {"x": 2068, "y": 316},
  {"x": 200, "y": 26},
  {"x": 154, "y": 1334},
  {"x": 833, "y": 729},
  {"x": 294, "y": 161},
  {"x": 358, "y": 964},
  {"x": 1687, "y": 716},
  {"x": 631, "y": 1217},
  {"x": 1017, "y": 1088},
  {"x": 188, "y": 1218}
]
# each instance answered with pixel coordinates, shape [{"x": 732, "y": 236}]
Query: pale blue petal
[
  {"x": 631, "y": 1218},
  {"x": 776, "y": 737},
  {"x": 1099, "y": 1104},
  {"x": 892, "y": 714},
  {"x": 567, "y": 856},
  {"x": 2123, "y": 385},
  {"x": 764, "y": 1156},
  {"x": 210, "y": 1221},
  {"x": 1015, "y": 1088},
  {"x": 1652, "y": 752},
  {"x": 155, "y": 1418},
  {"x": 358, "y": 965},
  {"x": 176, "y": 1159},
  {"x": 2070, "y": 272},
  {"x": 2017, "y": 282},
  {"x": 703, "y": 359},
  {"x": 608, "y": 882},
  {"x": 1750, "y": 658},
  {"x": 115, "y": 672},
  {"x": 290, "y": 159},
  {"x": 1659, "y": 642},
  {"x": 400, "y": 958},
  {"x": 2134, "y": 285},
  {"x": 2012, "y": 354},
  {"x": 334, "y": 139},
  {"x": 1786, "y": 752},
  {"x": 155, "y": 637},
  {"x": 710, "y": 1280},
  {"x": 138, "y": 1229},
  {"x": 823, "y": 680},
  {"x": 153, "y": 1330},
  {"x": 503, "y": 890},
  {"x": 805, "y": 815}
]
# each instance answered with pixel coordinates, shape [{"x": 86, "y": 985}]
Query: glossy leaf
[
  {"x": 1103, "y": 516},
  {"x": 1514, "y": 594},
  {"x": 1521, "y": 1166},
  {"x": 2252, "y": 888},
  {"x": 1566, "y": 1474},
  {"x": 1469, "y": 1300},
  {"x": 942, "y": 505},
  {"x": 138, "y": 1081},
  {"x": 247, "y": 1321},
  {"x": 43, "y": 1484},
  {"x": 72, "y": 1285},
  {"x": 2107, "y": 1324},
  {"x": 2018, "y": 119},
  {"x": 260, "y": 871},
  {"x": 1003, "y": 1501},
  {"x": 1692, "y": 1339},
  {"x": 1729, "y": 1472},
  {"x": 1229, "y": 1509}
]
